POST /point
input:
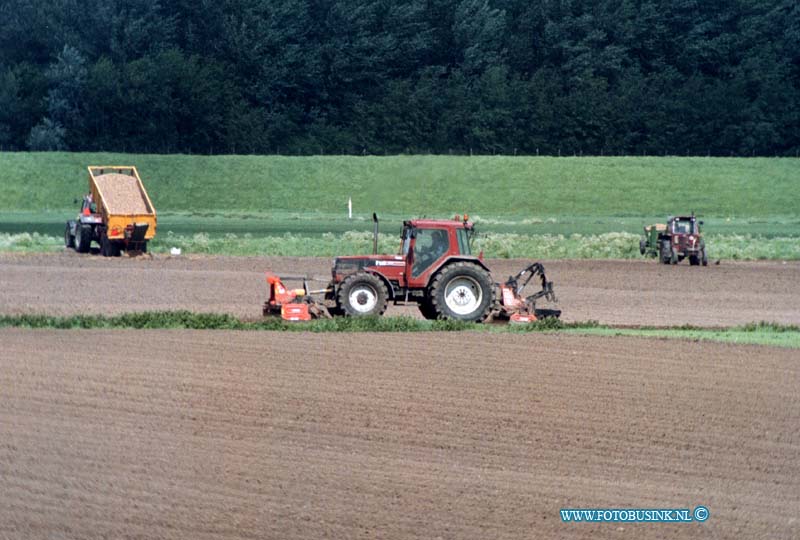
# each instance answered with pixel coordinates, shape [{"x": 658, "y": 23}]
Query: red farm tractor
[{"x": 435, "y": 270}]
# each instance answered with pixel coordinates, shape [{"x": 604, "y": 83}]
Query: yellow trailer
[{"x": 117, "y": 213}]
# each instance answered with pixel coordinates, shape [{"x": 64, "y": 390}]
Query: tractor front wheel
[
  {"x": 362, "y": 294},
  {"x": 642, "y": 245},
  {"x": 666, "y": 252},
  {"x": 704, "y": 257},
  {"x": 673, "y": 257},
  {"x": 69, "y": 240},
  {"x": 462, "y": 291}
]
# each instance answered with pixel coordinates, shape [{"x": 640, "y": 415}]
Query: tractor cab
[
  {"x": 88, "y": 206},
  {"x": 685, "y": 225},
  {"x": 427, "y": 244}
]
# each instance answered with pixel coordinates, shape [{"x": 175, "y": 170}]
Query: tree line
[{"x": 718, "y": 77}]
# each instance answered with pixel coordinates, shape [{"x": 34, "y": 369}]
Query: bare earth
[
  {"x": 189, "y": 434},
  {"x": 611, "y": 292}
]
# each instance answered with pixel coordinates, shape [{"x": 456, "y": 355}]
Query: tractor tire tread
[
  {"x": 447, "y": 274},
  {"x": 342, "y": 302},
  {"x": 69, "y": 240},
  {"x": 83, "y": 238}
]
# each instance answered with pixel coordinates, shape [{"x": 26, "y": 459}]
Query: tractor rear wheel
[
  {"x": 462, "y": 291},
  {"x": 83, "y": 238},
  {"x": 362, "y": 294}
]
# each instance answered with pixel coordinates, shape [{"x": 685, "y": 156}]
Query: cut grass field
[
  {"x": 541, "y": 207},
  {"x": 763, "y": 333}
]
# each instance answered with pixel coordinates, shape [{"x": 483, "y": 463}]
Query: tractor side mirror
[
  {"x": 701, "y": 222},
  {"x": 74, "y": 201}
]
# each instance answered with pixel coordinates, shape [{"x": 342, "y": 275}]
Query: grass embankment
[
  {"x": 756, "y": 334},
  {"x": 514, "y": 187},
  {"x": 539, "y": 207}
]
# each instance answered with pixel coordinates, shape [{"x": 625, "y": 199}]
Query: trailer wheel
[
  {"x": 83, "y": 238},
  {"x": 105, "y": 245},
  {"x": 462, "y": 291},
  {"x": 362, "y": 294},
  {"x": 108, "y": 248},
  {"x": 69, "y": 240}
]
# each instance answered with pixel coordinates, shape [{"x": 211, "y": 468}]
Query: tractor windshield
[
  {"x": 464, "y": 241},
  {"x": 406, "y": 241},
  {"x": 684, "y": 226}
]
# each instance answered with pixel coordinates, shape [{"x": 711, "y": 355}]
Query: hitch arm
[{"x": 526, "y": 274}]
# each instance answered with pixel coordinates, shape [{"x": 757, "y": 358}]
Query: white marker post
[{"x": 349, "y": 208}]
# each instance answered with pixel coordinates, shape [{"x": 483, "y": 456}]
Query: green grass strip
[
  {"x": 738, "y": 336},
  {"x": 762, "y": 333},
  {"x": 615, "y": 245}
]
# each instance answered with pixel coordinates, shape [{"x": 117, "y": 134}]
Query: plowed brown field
[
  {"x": 611, "y": 292},
  {"x": 188, "y": 434}
]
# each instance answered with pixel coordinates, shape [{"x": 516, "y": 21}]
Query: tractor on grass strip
[{"x": 435, "y": 270}]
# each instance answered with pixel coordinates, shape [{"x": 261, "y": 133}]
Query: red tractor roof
[{"x": 439, "y": 223}]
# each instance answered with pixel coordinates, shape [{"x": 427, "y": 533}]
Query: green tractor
[{"x": 679, "y": 238}]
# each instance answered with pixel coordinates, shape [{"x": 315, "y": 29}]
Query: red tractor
[
  {"x": 434, "y": 269},
  {"x": 680, "y": 238}
]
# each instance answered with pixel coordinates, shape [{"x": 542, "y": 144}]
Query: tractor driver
[
  {"x": 438, "y": 244},
  {"x": 89, "y": 206}
]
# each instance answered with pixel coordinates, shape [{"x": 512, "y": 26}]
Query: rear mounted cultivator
[
  {"x": 515, "y": 307},
  {"x": 293, "y": 304}
]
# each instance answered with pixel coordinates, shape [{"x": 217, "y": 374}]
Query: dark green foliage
[
  {"x": 216, "y": 321},
  {"x": 405, "y": 76},
  {"x": 764, "y": 326}
]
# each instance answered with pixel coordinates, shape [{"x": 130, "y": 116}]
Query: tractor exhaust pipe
[{"x": 375, "y": 234}]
